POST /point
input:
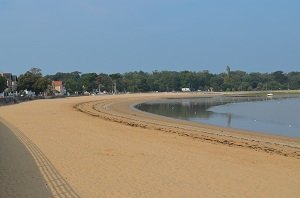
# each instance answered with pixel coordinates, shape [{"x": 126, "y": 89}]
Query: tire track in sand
[{"x": 109, "y": 110}]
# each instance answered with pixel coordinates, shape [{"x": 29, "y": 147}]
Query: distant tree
[
  {"x": 105, "y": 82},
  {"x": 3, "y": 85},
  {"x": 34, "y": 81},
  {"x": 89, "y": 82},
  {"x": 28, "y": 80},
  {"x": 204, "y": 78},
  {"x": 73, "y": 86},
  {"x": 254, "y": 80},
  {"x": 142, "y": 82},
  {"x": 154, "y": 81},
  {"x": 36, "y": 71},
  {"x": 116, "y": 82},
  {"x": 41, "y": 85},
  {"x": 280, "y": 77},
  {"x": 293, "y": 80},
  {"x": 228, "y": 71},
  {"x": 237, "y": 80},
  {"x": 216, "y": 82}
]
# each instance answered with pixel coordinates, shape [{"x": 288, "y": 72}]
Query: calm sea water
[{"x": 276, "y": 115}]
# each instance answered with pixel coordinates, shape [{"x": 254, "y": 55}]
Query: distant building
[
  {"x": 58, "y": 86},
  {"x": 11, "y": 81}
]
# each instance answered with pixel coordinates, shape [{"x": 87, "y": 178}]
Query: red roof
[{"x": 57, "y": 83}]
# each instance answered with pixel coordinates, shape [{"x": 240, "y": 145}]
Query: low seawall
[
  {"x": 19, "y": 99},
  {"x": 15, "y": 100}
]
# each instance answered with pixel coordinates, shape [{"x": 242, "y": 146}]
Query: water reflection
[
  {"x": 255, "y": 113},
  {"x": 192, "y": 108},
  {"x": 229, "y": 120}
]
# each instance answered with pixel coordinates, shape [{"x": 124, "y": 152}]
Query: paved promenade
[{"x": 19, "y": 174}]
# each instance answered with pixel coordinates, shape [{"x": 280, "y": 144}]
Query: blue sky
[{"x": 119, "y": 36}]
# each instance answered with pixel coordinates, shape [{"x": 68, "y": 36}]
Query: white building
[{"x": 185, "y": 89}]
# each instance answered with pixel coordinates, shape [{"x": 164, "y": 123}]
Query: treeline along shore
[
  {"x": 162, "y": 81},
  {"x": 158, "y": 81}
]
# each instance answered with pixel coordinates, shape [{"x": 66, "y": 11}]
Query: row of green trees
[
  {"x": 139, "y": 81},
  {"x": 174, "y": 81}
]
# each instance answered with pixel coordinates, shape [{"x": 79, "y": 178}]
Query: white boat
[{"x": 269, "y": 94}]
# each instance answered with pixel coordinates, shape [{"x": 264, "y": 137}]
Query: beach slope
[{"x": 100, "y": 156}]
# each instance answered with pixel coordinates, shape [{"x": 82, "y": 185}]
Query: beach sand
[{"x": 103, "y": 148}]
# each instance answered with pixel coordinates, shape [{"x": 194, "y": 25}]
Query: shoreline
[
  {"x": 119, "y": 152},
  {"x": 126, "y": 113},
  {"x": 215, "y": 101}
]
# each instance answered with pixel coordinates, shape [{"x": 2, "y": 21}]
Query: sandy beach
[{"x": 98, "y": 146}]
